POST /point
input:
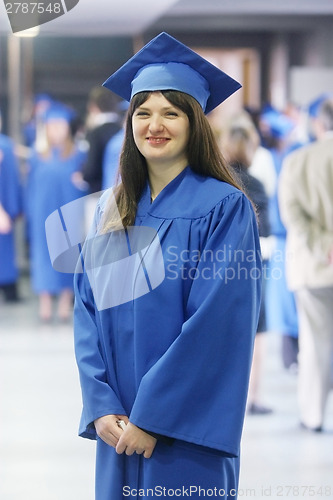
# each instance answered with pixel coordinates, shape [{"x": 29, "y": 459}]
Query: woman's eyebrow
[{"x": 165, "y": 108}]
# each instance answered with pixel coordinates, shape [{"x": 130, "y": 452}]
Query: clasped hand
[{"x": 131, "y": 440}]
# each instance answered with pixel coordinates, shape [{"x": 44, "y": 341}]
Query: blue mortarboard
[
  {"x": 278, "y": 123},
  {"x": 59, "y": 111},
  {"x": 315, "y": 105},
  {"x": 167, "y": 64}
]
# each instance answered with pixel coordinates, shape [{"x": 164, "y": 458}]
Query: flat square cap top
[
  {"x": 167, "y": 64},
  {"x": 279, "y": 125}
]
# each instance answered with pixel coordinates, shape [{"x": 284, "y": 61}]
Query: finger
[
  {"x": 129, "y": 451},
  {"x": 107, "y": 429},
  {"x": 111, "y": 435},
  {"x": 109, "y": 439},
  {"x": 148, "y": 453},
  {"x": 121, "y": 447},
  {"x": 116, "y": 431}
]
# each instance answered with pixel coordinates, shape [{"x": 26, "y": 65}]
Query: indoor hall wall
[
  {"x": 238, "y": 42},
  {"x": 3, "y": 81},
  {"x": 68, "y": 68},
  {"x": 312, "y": 73},
  {"x": 64, "y": 67}
]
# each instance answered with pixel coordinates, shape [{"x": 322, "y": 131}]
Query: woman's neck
[{"x": 160, "y": 176}]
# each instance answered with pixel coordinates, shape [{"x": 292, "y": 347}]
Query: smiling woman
[
  {"x": 161, "y": 133},
  {"x": 173, "y": 363},
  {"x": 202, "y": 153}
]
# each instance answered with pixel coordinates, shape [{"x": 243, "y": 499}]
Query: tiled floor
[{"x": 41, "y": 457}]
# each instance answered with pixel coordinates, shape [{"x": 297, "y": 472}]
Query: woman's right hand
[{"x": 108, "y": 430}]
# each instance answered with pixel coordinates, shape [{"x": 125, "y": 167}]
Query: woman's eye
[
  {"x": 172, "y": 113},
  {"x": 142, "y": 113}
]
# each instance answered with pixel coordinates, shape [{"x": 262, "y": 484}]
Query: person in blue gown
[
  {"x": 112, "y": 151},
  {"x": 33, "y": 126},
  {"x": 167, "y": 291},
  {"x": 281, "y": 305},
  {"x": 111, "y": 159},
  {"x": 10, "y": 209},
  {"x": 51, "y": 184}
]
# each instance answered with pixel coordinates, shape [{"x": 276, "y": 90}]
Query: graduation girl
[
  {"x": 167, "y": 291},
  {"x": 51, "y": 183}
]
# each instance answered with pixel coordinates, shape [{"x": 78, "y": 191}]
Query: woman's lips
[{"x": 157, "y": 140}]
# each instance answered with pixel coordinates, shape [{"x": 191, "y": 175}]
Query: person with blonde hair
[{"x": 51, "y": 183}]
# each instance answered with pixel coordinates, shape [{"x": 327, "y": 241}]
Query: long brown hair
[{"x": 203, "y": 154}]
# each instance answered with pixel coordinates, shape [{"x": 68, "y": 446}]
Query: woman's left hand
[{"x": 135, "y": 440}]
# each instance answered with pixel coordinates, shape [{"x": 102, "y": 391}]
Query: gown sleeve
[
  {"x": 98, "y": 396},
  {"x": 197, "y": 390},
  {"x": 10, "y": 185}
]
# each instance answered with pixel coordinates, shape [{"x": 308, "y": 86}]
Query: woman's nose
[{"x": 155, "y": 124}]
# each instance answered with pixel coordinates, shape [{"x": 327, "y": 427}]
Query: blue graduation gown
[
  {"x": 281, "y": 304},
  {"x": 177, "y": 359},
  {"x": 11, "y": 200},
  {"x": 111, "y": 159},
  {"x": 49, "y": 187}
]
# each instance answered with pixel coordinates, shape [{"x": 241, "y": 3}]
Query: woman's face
[
  {"x": 161, "y": 132},
  {"x": 57, "y": 132}
]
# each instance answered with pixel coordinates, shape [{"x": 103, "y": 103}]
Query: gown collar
[{"x": 164, "y": 198}]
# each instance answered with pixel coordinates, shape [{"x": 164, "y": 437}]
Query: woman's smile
[
  {"x": 161, "y": 132},
  {"x": 156, "y": 141}
]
